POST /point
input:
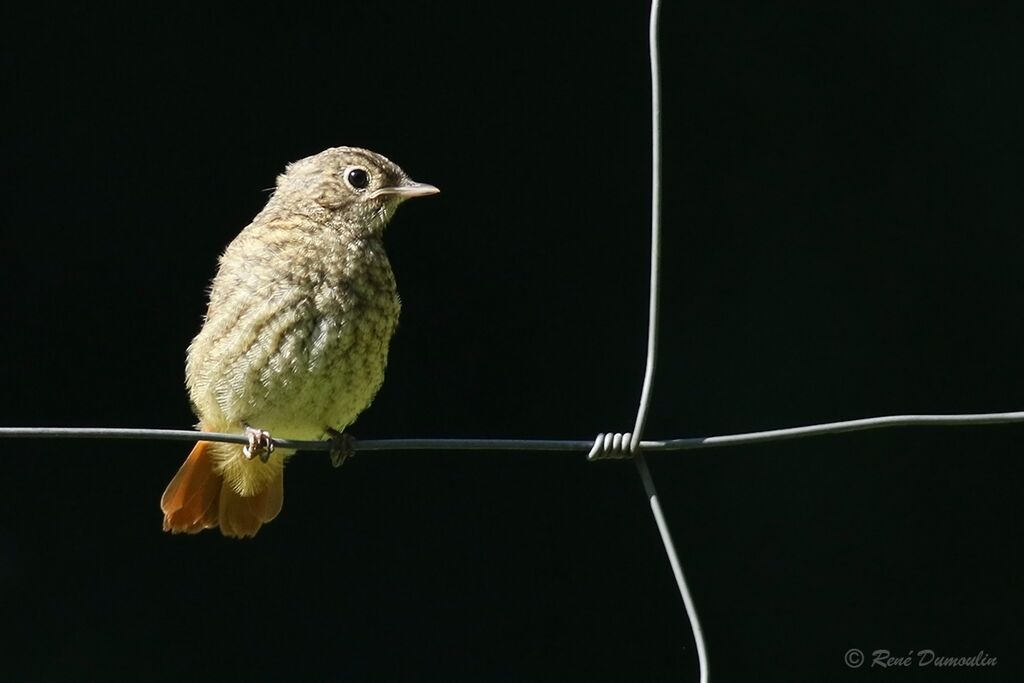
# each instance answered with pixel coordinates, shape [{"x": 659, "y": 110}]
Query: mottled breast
[{"x": 298, "y": 342}]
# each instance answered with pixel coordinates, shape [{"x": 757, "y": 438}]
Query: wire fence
[
  {"x": 604, "y": 446},
  {"x": 629, "y": 445}
]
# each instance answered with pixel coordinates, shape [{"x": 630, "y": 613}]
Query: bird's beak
[{"x": 407, "y": 190}]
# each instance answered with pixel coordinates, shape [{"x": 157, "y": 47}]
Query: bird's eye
[{"x": 358, "y": 178}]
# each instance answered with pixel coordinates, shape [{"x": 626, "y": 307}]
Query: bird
[{"x": 295, "y": 338}]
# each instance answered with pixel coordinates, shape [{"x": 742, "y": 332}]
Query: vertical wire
[
  {"x": 677, "y": 568},
  {"x": 652, "y": 349},
  {"x": 652, "y": 312}
]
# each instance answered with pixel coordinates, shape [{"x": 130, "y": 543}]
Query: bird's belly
[
  {"x": 326, "y": 383},
  {"x": 299, "y": 372}
]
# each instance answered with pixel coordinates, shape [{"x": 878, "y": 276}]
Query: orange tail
[
  {"x": 190, "y": 500},
  {"x": 242, "y": 516},
  {"x": 198, "y": 498}
]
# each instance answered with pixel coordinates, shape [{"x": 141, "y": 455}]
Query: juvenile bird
[{"x": 296, "y": 335}]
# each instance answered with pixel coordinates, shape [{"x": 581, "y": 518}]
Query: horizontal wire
[{"x": 692, "y": 443}]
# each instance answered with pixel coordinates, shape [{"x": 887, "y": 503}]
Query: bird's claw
[
  {"x": 342, "y": 447},
  {"x": 260, "y": 444}
]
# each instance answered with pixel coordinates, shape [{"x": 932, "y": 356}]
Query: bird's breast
[{"x": 301, "y": 349}]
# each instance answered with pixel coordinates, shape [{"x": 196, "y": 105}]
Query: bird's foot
[
  {"x": 343, "y": 446},
  {"x": 260, "y": 444}
]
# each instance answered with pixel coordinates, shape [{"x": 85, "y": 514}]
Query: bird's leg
[
  {"x": 342, "y": 446},
  {"x": 260, "y": 444}
]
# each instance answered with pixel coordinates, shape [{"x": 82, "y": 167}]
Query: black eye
[{"x": 358, "y": 178}]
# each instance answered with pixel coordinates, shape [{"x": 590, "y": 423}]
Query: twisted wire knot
[{"x": 612, "y": 446}]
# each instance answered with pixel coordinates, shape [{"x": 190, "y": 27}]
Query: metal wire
[
  {"x": 655, "y": 282},
  {"x": 634, "y": 440},
  {"x": 677, "y": 567},
  {"x": 550, "y": 445}
]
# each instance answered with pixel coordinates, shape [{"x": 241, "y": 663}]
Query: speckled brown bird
[{"x": 296, "y": 335}]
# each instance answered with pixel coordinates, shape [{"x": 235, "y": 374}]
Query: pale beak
[{"x": 407, "y": 190}]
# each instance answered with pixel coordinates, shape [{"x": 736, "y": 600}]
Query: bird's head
[{"x": 354, "y": 185}]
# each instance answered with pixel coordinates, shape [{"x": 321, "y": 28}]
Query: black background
[{"x": 842, "y": 239}]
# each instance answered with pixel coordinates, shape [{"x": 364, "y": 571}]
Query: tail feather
[
  {"x": 242, "y": 516},
  {"x": 190, "y": 502},
  {"x": 199, "y": 497}
]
